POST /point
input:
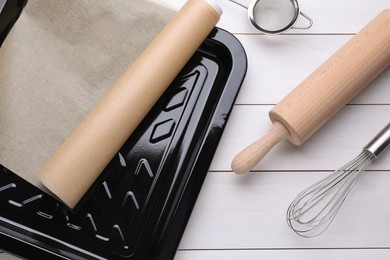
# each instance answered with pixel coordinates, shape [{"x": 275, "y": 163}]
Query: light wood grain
[
  {"x": 325, "y": 92},
  {"x": 248, "y": 211},
  {"x": 340, "y": 78},
  {"x": 276, "y": 65},
  {"x": 242, "y": 217},
  {"x": 330, "y": 17},
  {"x": 335, "y": 144},
  {"x": 291, "y": 254},
  {"x": 248, "y": 158}
]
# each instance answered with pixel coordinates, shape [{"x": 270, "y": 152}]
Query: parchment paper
[{"x": 58, "y": 60}]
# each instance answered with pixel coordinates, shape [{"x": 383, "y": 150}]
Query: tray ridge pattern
[{"x": 138, "y": 207}]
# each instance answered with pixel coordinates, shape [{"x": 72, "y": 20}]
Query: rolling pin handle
[{"x": 251, "y": 156}]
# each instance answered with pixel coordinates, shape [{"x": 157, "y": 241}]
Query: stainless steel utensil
[
  {"x": 274, "y": 16},
  {"x": 314, "y": 209}
]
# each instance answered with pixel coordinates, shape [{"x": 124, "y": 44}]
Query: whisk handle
[{"x": 380, "y": 142}]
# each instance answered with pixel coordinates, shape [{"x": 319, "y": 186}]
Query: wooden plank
[
  {"x": 325, "y": 254},
  {"x": 341, "y": 139},
  {"x": 332, "y": 16},
  {"x": 276, "y": 65},
  {"x": 247, "y": 212},
  {"x": 243, "y": 217}
]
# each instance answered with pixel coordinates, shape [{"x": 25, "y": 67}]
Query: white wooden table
[{"x": 243, "y": 217}]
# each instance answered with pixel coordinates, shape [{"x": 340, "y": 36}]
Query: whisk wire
[
  {"x": 318, "y": 190},
  {"x": 314, "y": 209}
]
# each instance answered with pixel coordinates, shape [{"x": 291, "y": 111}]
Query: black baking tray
[
  {"x": 10, "y": 11},
  {"x": 140, "y": 205}
]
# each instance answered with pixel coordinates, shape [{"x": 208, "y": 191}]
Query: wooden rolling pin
[
  {"x": 326, "y": 91},
  {"x": 78, "y": 162}
]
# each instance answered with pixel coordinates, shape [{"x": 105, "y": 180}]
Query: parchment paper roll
[
  {"x": 49, "y": 85},
  {"x": 78, "y": 162}
]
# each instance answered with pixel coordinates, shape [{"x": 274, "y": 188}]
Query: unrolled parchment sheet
[{"x": 57, "y": 62}]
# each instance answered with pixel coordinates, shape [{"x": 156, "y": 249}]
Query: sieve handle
[{"x": 307, "y": 18}]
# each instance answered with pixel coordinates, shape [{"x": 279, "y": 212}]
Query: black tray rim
[{"x": 171, "y": 240}]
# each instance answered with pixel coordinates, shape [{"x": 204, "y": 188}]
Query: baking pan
[
  {"x": 140, "y": 205},
  {"x": 10, "y": 11}
]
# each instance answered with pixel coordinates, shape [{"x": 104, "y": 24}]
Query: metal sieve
[{"x": 274, "y": 16}]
